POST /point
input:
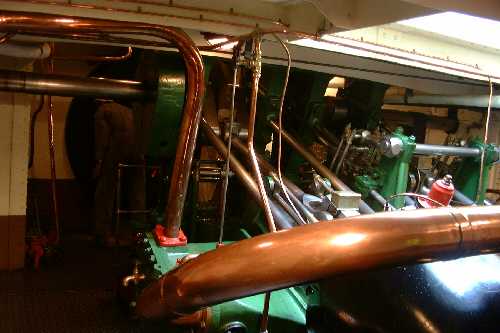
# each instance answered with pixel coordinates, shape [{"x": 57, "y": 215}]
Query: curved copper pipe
[
  {"x": 318, "y": 251},
  {"x": 122, "y": 57},
  {"x": 19, "y": 22}
]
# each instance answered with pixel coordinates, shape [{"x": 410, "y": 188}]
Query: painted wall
[{"x": 14, "y": 136}]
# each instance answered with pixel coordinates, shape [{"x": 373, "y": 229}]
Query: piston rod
[
  {"x": 64, "y": 85},
  {"x": 440, "y": 150},
  {"x": 283, "y": 220},
  {"x": 322, "y": 169}
]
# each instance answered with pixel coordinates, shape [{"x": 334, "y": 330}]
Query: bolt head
[{"x": 391, "y": 146}]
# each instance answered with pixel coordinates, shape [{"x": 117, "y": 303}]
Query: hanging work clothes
[{"x": 115, "y": 143}]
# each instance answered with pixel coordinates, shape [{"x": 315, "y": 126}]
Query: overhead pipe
[
  {"x": 65, "y": 85},
  {"x": 66, "y": 26},
  {"x": 319, "y": 251},
  {"x": 105, "y": 58},
  {"x": 230, "y": 13},
  {"x": 337, "y": 184},
  {"x": 281, "y": 28},
  {"x": 26, "y": 51},
  {"x": 468, "y": 101},
  {"x": 283, "y": 220}
]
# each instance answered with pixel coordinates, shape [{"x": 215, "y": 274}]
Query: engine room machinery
[{"x": 280, "y": 211}]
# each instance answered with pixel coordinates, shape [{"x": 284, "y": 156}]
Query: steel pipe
[
  {"x": 25, "y": 51},
  {"x": 462, "y": 198},
  {"x": 283, "y": 220},
  {"x": 67, "y": 26},
  {"x": 440, "y": 150},
  {"x": 322, "y": 169},
  {"x": 381, "y": 200},
  {"x": 318, "y": 251},
  {"x": 108, "y": 58},
  {"x": 64, "y": 85},
  {"x": 470, "y": 101},
  {"x": 268, "y": 168}
]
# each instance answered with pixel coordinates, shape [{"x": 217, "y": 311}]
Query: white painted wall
[{"x": 14, "y": 138}]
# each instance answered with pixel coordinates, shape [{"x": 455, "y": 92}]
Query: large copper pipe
[
  {"x": 318, "y": 251},
  {"x": 283, "y": 220},
  {"x": 18, "y": 22},
  {"x": 316, "y": 164}
]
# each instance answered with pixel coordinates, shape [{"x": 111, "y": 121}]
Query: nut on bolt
[{"x": 391, "y": 146}]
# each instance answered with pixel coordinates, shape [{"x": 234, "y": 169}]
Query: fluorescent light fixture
[
  {"x": 463, "y": 27},
  {"x": 334, "y": 85}
]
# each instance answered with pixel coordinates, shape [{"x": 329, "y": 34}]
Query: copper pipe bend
[
  {"x": 66, "y": 26},
  {"x": 318, "y": 251}
]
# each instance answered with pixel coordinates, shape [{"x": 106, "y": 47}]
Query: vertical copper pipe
[
  {"x": 53, "y": 176},
  {"x": 265, "y": 313},
  {"x": 256, "y": 72},
  {"x": 67, "y": 26},
  {"x": 321, "y": 250},
  {"x": 225, "y": 182},
  {"x": 52, "y": 153}
]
